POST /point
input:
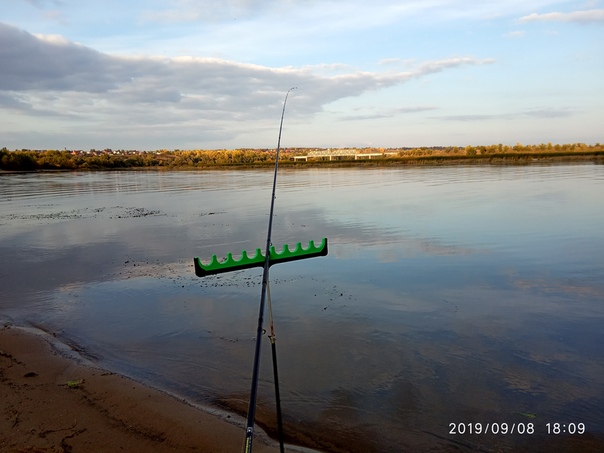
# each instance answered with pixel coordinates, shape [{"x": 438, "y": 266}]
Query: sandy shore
[{"x": 50, "y": 402}]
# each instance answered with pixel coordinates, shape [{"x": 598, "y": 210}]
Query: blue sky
[{"x": 191, "y": 74}]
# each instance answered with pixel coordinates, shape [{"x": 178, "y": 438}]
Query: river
[{"x": 451, "y": 297}]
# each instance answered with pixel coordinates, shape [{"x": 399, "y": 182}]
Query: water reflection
[{"x": 449, "y": 294}]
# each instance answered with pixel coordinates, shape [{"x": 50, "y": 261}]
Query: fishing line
[{"x": 249, "y": 431}]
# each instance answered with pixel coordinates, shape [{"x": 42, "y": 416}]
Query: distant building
[{"x": 339, "y": 154}]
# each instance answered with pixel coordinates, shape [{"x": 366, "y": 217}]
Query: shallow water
[{"x": 449, "y": 295}]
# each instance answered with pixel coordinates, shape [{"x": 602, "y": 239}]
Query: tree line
[{"x": 31, "y": 160}]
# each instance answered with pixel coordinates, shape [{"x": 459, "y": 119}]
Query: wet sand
[{"x": 50, "y": 402}]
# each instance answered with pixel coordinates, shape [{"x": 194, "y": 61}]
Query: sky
[{"x": 201, "y": 74}]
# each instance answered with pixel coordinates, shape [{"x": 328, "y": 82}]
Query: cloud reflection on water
[{"x": 438, "y": 302}]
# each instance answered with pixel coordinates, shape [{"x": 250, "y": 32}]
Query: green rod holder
[{"x": 230, "y": 264}]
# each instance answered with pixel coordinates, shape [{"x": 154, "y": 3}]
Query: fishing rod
[
  {"x": 270, "y": 258},
  {"x": 249, "y": 431},
  {"x": 273, "y": 340}
]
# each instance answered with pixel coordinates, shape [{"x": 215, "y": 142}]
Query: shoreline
[
  {"x": 54, "y": 400},
  {"x": 495, "y": 159}
]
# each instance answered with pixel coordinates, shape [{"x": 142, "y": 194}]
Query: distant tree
[
  {"x": 18, "y": 161},
  {"x": 470, "y": 151}
]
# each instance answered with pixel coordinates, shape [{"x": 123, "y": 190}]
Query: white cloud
[
  {"x": 540, "y": 113},
  {"x": 549, "y": 112},
  {"x": 52, "y": 76},
  {"x": 473, "y": 118},
  {"x": 440, "y": 65},
  {"x": 378, "y": 113},
  {"x": 389, "y": 61},
  {"x": 581, "y": 17},
  {"x": 51, "y": 63}
]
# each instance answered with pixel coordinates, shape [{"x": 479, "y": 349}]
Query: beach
[{"x": 51, "y": 401}]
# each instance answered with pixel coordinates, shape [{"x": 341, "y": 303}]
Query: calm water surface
[{"x": 449, "y": 295}]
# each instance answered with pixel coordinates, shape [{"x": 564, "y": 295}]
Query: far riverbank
[{"x": 11, "y": 161}]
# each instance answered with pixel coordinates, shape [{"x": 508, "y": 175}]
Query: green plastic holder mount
[{"x": 231, "y": 264}]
